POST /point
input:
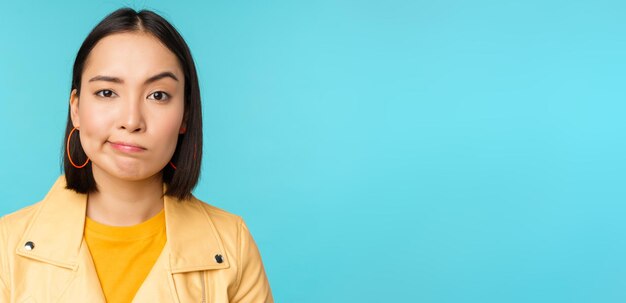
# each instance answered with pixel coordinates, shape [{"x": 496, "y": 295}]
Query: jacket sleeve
[
  {"x": 252, "y": 283},
  {"x": 4, "y": 268}
]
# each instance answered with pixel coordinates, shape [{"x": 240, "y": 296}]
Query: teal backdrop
[{"x": 380, "y": 151}]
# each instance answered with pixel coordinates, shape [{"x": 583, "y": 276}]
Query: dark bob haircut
[{"x": 188, "y": 154}]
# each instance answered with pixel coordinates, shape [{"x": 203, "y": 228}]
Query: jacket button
[
  {"x": 29, "y": 245},
  {"x": 218, "y": 258}
]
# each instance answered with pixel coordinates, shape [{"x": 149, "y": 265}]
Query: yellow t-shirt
[{"x": 124, "y": 255}]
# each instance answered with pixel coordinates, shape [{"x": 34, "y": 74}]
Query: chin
[
  {"x": 136, "y": 176},
  {"x": 130, "y": 172}
]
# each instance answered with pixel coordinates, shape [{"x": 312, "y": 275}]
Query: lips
[{"x": 127, "y": 147}]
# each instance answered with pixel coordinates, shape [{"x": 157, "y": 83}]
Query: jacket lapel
[
  {"x": 158, "y": 286},
  {"x": 192, "y": 243},
  {"x": 56, "y": 231},
  {"x": 56, "y": 234},
  {"x": 85, "y": 284},
  {"x": 192, "y": 239}
]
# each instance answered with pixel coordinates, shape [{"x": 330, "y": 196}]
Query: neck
[{"x": 122, "y": 202}]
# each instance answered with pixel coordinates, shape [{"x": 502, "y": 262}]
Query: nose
[{"x": 131, "y": 116}]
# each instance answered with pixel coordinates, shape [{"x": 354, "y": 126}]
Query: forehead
[{"x": 134, "y": 55}]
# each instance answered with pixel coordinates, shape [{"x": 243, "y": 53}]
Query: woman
[{"x": 121, "y": 225}]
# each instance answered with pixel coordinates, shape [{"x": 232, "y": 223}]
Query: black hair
[{"x": 188, "y": 154}]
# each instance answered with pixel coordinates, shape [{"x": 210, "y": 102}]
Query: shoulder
[
  {"x": 231, "y": 228},
  {"x": 16, "y": 223},
  {"x": 250, "y": 282},
  {"x": 13, "y": 226},
  {"x": 220, "y": 217}
]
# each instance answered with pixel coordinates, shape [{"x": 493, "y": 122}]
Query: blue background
[{"x": 380, "y": 151}]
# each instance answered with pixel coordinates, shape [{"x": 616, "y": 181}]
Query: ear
[{"x": 74, "y": 109}]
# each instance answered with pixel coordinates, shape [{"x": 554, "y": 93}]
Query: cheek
[
  {"x": 94, "y": 125},
  {"x": 170, "y": 128},
  {"x": 164, "y": 127}
]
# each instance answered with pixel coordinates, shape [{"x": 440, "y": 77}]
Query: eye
[
  {"x": 159, "y": 96},
  {"x": 105, "y": 93}
]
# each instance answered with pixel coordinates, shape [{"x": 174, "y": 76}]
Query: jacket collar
[{"x": 56, "y": 232}]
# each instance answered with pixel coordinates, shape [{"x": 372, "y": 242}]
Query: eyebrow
[{"x": 148, "y": 81}]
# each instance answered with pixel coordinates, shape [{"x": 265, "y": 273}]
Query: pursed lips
[{"x": 126, "y": 147}]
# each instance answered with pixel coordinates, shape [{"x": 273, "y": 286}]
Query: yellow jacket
[{"x": 209, "y": 256}]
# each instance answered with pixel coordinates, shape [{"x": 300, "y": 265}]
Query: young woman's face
[{"x": 131, "y": 106}]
